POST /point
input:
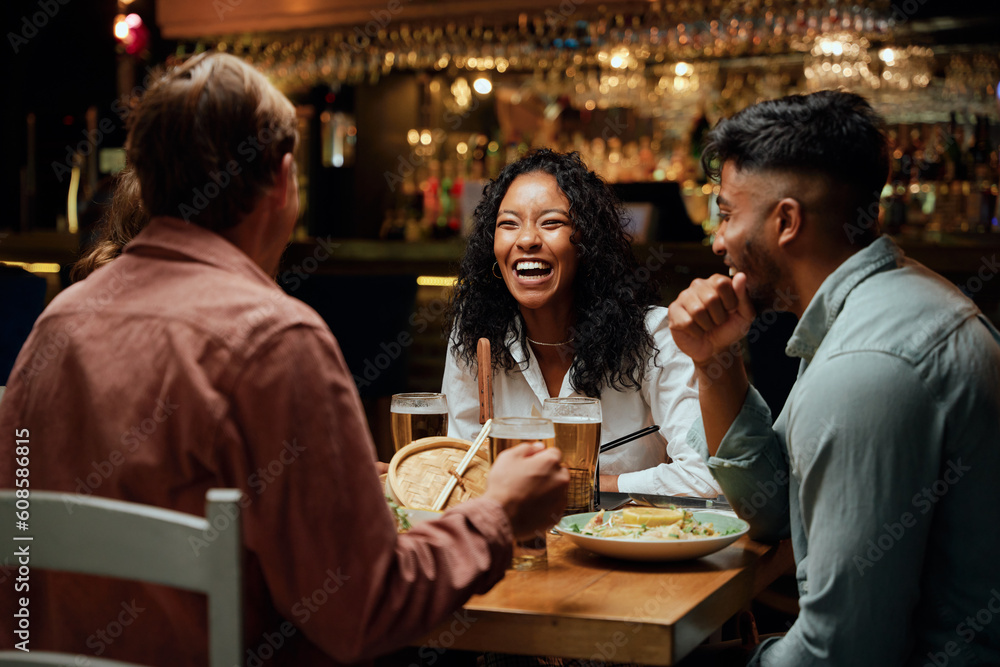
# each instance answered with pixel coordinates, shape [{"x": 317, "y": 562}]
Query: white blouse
[{"x": 668, "y": 397}]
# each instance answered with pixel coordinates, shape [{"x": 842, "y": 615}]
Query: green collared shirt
[{"x": 883, "y": 467}]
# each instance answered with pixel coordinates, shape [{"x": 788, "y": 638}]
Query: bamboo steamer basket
[{"x": 419, "y": 471}]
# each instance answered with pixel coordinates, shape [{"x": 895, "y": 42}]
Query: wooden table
[{"x": 595, "y": 608}]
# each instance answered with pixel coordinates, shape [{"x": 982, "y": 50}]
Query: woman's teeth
[
  {"x": 732, "y": 271},
  {"x": 532, "y": 268}
]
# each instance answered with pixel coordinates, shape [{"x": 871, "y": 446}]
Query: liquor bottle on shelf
[
  {"x": 984, "y": 175},
  {"x": 431, "y": 188},
  {"x": 494, "y": 160},
  {"x": 894, "y": 193},
  {"x": 699, "y": 135},
  {"x": 393, "y": 225},
  {"x": 954, "y": 185},
  {"x": 647, "y": 159},
  {"x": 614, "y": 167},
  {"x": 910, "y": 162},
  {"x": 449, "y": 220},
  {"x": 954, "y": 138},
  {"x": 995, "y": 189},
  {"x": 930, "y": 157},
  {"x": 927, "y": 172}
]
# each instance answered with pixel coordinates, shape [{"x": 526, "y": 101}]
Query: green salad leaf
[{"x": 402, "y": 521}]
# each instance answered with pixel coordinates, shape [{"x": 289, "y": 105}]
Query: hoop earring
[{"x": 496, "y": 266}]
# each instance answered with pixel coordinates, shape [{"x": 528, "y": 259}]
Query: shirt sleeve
[
  {"x": 318, "y": 522},
  {"x": 460, "y": 385},
  {"x": 751, "y": 466},
  {"x": 670, "y": 390},
  {"x": 867, "y": 449}
]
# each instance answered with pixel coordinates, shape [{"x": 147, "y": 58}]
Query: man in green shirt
[{"x": 884, "y": 465}]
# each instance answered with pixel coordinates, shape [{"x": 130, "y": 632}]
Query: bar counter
[
  {"x": 951, "y": 255},
  {"x": 956, "y": 255},
  {"x": 970, "y": 261}
]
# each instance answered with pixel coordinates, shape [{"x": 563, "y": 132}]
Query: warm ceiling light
[
  {"x": 482, "y": 85},
  {"x": 121, "y": 27}
]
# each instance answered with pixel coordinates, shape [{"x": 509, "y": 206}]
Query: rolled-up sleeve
[{"x": 751, "y": 466}]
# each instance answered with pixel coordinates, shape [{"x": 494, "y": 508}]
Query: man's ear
[
  {"x": 284, "y": 181},
  {"x": 789, "y": 219}
]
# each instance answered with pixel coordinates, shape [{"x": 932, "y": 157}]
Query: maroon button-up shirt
[{"x": 179, "y": 367}]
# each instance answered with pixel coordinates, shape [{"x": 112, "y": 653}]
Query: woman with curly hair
[{"x": 549, "y": 278}]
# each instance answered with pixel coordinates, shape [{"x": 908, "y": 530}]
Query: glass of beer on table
[
  {"x": 417, "y": 415},
  {"x": 507, "y": 432},
  {"x": 577, "y": 422}
]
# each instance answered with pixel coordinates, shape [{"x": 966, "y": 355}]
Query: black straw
[{"x": 625, "y": 439}]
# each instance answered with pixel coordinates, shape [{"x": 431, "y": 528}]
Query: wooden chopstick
[
  {"x": 485, "y": 373},
  {"x": 625, "y": 439},
  {"x": 463, "y": 465}
]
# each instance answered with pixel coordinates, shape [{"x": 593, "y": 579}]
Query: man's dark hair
[{"x": 831, "y": 133}]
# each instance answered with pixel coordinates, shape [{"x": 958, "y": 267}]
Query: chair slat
[{"x": 75, "y": 533}]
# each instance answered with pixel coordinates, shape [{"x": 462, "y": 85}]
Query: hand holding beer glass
[
  {"x": 508, "y": 432},
  {"x": 417, "y": 415},
  {"x": 577, "y": 422}
]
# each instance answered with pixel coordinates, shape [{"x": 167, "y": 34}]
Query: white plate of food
[{"x": 653, "y": 534}]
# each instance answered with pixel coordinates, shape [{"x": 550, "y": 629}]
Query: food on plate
[
  {"x": 651, "y": 517},
  {"x": 648, "y": 523}
]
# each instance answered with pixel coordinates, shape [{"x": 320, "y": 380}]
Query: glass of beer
[
  {"x": 417, "y": 415},
  {"x": 577, "y": 422},
  {"x": 507, "y": 432}
]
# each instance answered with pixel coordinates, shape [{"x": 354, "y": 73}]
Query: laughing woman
[{"x": 550, "y": 279}]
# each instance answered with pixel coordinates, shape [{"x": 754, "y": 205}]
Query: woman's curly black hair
[{"x": 609, "y": 335}]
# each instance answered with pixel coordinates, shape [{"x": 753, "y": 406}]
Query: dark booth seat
[{"x": 22, "y": 298}]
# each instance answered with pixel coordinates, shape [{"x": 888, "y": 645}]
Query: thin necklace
[{"x": 567, "y": 342}]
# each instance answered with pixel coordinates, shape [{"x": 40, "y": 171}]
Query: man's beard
[{"x": 763, "y": 276}]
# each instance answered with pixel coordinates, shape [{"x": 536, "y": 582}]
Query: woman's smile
[
  {"x": 534, "y": 271},
  {"x": 533, "y": 242}
]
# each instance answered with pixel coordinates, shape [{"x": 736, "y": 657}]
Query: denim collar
[{"x": 881, "y": 255}]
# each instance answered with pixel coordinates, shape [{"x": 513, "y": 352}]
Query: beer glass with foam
[
  {"x": 417, "y": 415},
  {"x": 577, "y": 422}
]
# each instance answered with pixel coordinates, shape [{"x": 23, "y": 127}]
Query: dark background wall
[{"x": 67, "y": 64}]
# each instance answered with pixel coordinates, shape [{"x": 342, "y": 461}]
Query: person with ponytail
[{"x": 122, "y": 220}]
